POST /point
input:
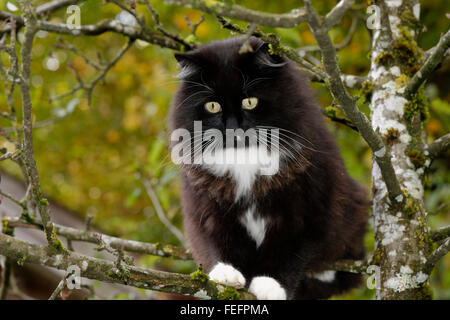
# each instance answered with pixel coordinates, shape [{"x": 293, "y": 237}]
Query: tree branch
[
  {"x": 429, "y": 66},
  {"x": 434, "y": 258},
  {"x": 358, "y": 266},
  {"x": 157, "y": 249},
  {"x": 214, "y": 7},
  {"x": 336, "y": 86},
  {"x": 72, "y": 234},
  {"x": 54, "y": 5},
  {"x": 335, "y": 16},
  {"x": 27, "y": 125},
  {"x": 100, "y": 28},
  {"x": 441, "y": 234},
  {"x": 107, "y": 271},
  {"x": 439, "y": 146}
]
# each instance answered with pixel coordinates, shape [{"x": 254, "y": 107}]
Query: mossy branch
[
  {"x": 440, "y": 252},
  {"x": 72, "y": 234},
  {"x": 429, "y": 66},
  {"x": 348, "y": 103},
  {"x": 107, "y": 271}
]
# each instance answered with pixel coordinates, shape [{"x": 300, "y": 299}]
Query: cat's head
[{"x": 226, "y": 88}]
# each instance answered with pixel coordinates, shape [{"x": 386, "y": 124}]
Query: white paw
[
  {"x": 267, "y": 288},
  {"x": 227, "y": 275}
]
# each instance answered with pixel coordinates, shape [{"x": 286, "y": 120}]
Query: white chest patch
[
  {"x": 255, "y": 225},
  {"x": 242, "y": 164},
  {"x": 325, "y": 276}
]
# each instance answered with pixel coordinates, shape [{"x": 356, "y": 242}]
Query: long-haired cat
[{"x": 276, "y": 233}]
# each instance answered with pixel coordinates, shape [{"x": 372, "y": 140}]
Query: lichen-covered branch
[
  {"x": 358, "y": 266},
  {"x": 441, "y": 251},
  {"x": 100, "y": 28},
  {"x": 214, "y": 7},
  {"x": 348, "y": 103},
  {"x": 72, "y": 234},
  {"x": 335, "y": 16},
  {"x": 196, "y": 285},
  {"x": 27, "y": 124},
  {"x": 156, "y": 249},
  {"x": 429, "y": 66},
  {"x": 439, "y": 146}
]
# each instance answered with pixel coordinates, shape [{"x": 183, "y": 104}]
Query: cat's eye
[
  {"x": 212, "y": 107},
  {"x": 249, "y": 103}
]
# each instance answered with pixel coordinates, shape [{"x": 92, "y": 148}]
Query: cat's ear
[
  {"x": 188, "y": 63},
  {"x": 264, "y": 59}
]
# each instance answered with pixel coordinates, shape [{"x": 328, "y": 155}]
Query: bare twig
[
  {"x": 90, "y": 86},
  {"x": 160, "y": 211},
  {"x": 194, "y": 25},
  {"x": 159, "y": 26}
]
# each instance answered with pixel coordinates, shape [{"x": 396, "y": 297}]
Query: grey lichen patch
[{"x": 406, "y": 279}]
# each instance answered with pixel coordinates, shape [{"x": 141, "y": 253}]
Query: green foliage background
[{"x": 93, "y": 159}]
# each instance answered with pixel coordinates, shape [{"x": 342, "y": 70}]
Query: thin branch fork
[
  {"x": 336, "y": 86},
  {"x": 429, "y": 66}
]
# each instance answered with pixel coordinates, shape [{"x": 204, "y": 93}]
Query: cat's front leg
[
  {"x": 226, "y": 274},
  {"x": 267, "y": 288}
]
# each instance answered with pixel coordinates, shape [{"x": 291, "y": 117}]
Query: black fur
[{"x": 316, "y": 212}]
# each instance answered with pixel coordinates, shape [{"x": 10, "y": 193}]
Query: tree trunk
[{"x": 401, "y": 236}]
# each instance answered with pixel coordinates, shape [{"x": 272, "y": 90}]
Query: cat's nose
[{"x": 231, "y": 123}]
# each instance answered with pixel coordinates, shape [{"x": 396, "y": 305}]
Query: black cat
[{"x": 280, "y": 232}]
